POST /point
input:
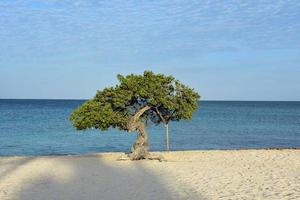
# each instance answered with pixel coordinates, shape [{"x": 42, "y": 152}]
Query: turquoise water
[{"x": 41, "y": 127}]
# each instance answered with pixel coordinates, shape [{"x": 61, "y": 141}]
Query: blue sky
[{"x": 226, "y": 50}]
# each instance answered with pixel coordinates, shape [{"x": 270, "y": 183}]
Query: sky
[{"x": 225, "y": 50}]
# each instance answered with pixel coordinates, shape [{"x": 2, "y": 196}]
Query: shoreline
[{"x": 155, "y": 152}]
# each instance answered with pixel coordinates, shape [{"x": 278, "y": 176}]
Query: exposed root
[
  {"x": 122, "y": 158},
  {"x": 160, "y": 158}
]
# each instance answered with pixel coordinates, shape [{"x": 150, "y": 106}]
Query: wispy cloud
[{"x": 132, "y": 28}]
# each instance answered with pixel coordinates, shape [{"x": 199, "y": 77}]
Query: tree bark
[
  {"x": 166, "y": 124},
  {"x": 139, "y": 149},
  {"x": 167, "y": 136}
]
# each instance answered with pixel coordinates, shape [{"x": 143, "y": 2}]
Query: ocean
[{"x": 41, "y": 127}]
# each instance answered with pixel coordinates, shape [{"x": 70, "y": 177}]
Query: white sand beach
[{"x": 230, "y": 174}]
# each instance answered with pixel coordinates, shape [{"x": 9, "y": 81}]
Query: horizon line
[{"x": 73, "y": 99}]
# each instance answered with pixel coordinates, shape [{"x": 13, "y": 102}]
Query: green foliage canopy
[{"x": 168, "y": 99}]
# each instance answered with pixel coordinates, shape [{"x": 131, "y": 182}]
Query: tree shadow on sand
[
  {"x": 89, "y": 177},
  {"x": 10, "y": 164}
]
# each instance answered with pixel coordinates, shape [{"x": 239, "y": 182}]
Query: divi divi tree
[{"x": 133, "y": 103}]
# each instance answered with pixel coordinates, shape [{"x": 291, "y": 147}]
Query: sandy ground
[{"x": 240, "y": 174}]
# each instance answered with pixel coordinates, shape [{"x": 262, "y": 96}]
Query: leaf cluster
[{"x": 168, "y": 99}]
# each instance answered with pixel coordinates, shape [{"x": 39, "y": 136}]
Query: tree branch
[
  {"x": 162, "y": 118},
  {"x": 133, "y": 120}
]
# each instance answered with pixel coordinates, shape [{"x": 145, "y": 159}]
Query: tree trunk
[
  {"x": 167, "y": 136},
  {"x": 139, "y": 149}
]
